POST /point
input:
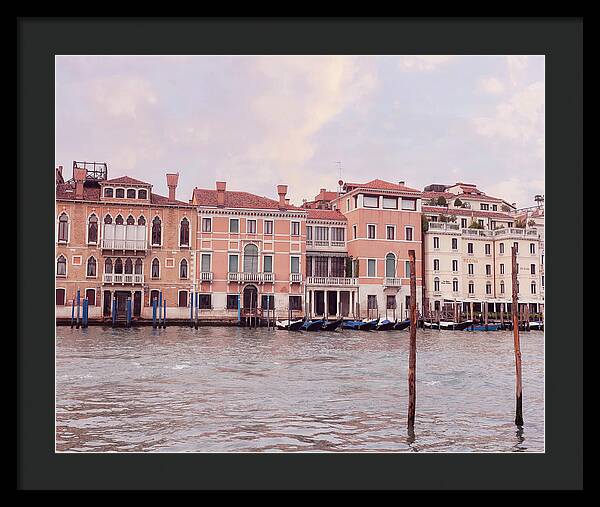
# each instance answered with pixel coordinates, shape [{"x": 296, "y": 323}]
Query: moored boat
[
  {"x": 332, "y": 325},
  {"x": 286, "y": 325},
  {"x": 403, "y": 324},
  {"x": 483, "y": 327},
  {"x": 448, "y": 325},
  {"x": 313, "y": 325},
  {"x": 385, "y": 325}
]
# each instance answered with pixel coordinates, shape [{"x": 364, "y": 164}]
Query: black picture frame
[{"x": 39, "y": 40}]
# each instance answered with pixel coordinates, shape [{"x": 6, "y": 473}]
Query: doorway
[{"x": 250, "y": 297}]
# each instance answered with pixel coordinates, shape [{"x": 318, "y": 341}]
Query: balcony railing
[
  {"x": 123, "y": 279},
  {"x": 390, "y": 281},
  {"x": 242, "y": 277},
  {"x": 124, "y": 244},
  {"x": 444, "y": 226},
  {"x": 295, "y": 277},
  {"x": 324, "y": 243},
  {"x": 331, "y": 280},
  {"x": 206, "y": 276}
]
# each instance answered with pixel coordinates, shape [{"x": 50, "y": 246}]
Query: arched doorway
[{"x": 250, "y": 298}]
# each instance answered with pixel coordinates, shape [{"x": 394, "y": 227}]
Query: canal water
[{"x": 229, "y": 389}]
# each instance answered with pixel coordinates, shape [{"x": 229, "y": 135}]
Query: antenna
[{"x": 340, "y": 182}]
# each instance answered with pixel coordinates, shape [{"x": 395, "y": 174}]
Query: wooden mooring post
[
  {"x": 412, "y": 355},
  {"x": 519, "y": 384}
]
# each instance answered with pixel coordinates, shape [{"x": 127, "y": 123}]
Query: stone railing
[
  {"x": 331, "y": 281},
  {"x": 123, "y": 279}
]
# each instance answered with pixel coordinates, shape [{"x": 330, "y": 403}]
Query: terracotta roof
[
  {"x": 161, "y": 199},
  {"x": 67, "y": 191},
  {"x": 383, "y": 185},
  {"x": 126, "y": 180},
  {"x": 234, "y": 199},
  {"x": 465, "y": 212},
  {"x": 325, "y": 214},
  {"x": 462, "y": 197},
  {"x": 326, "y": 196}
]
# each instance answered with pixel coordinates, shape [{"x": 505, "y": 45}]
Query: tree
[
  {"x": 520, "y": 223},
  {"x": 441, "y": 201},
  {"x": 475, "y": 225},
  {"x": 505, "y": 207},
  {"x": 531, "y": 223},
  {"x": 458, "y": 203},
  {"x": 424, "y": 223}
]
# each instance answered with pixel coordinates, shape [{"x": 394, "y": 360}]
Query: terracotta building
[{"x": 117, "y": 239}]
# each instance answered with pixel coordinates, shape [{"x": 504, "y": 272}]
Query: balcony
[
  {"x": 319, "y": 244},
  {"x": 332, "y": 281},
  {"x": 206, "y": 276},
  {"x": 123, "y": 279},
  {"x": 295, "y": 277},
  {"x": 241, "y": 277},
  {"x": 124, "y": 244},
  {"x": 389, "y": 281},
  {"x": 443, "y": 226}
]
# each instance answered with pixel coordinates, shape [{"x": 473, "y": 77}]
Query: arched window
[
  {"x": 130, "y": 193},
  {"x": 138, "y": 267},
  {"x": 120, "y": 193},
  {"x": 488, "y": 288},
  {"x": 130, "y": 220},
  {"x": 183, "y": 269},
  {"x": 250, "y": 259},
  {"x": 141, "y": 221},
  {"x": 455, "y": 284},
  {"x": 91, "y": 267},
  {"x": 501, "y": 287},
  {"x": 108, "y": 219},
  {"x": 61, "y": 266},
  {"x": 63, "y": 228},
  {"x": 156, "y": 231},
  {"x": 142, "y": 194},
  {"x": 184, "y": 233},
  {"x": 128, "y": 267},
  {"x": 390, "y": 265},
  {"x": 108, "y": 266},
  {"x": 533, "y": 288},
  {"x": 108, "y": 192},
  {"x": 436, "y": 284},
  {"x": 93, "y": 229},
  {"x": 471, "y": 288},
  {"x": 119, "y": 266},
  {"x": 119, "y": 220},
  {"x": 155, "y": 269}
]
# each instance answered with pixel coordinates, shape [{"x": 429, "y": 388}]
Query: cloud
[
  {"x": 491, "y": 85},
  {"x": 517, "y": 66},
  {"x": 518, "y": 190},
  {"x": 423, "y": 62},
  {"x": 121, "y": 96},
  {"x": 519, "y": 119}
]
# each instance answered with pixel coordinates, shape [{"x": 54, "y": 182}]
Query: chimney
[
  {"x": 221, "y": 186},
  {"x": 172, "y": 180},
  {"x": 79, "y": 177},
  {"x": 281, "y": 191},
  {"x": 287, "y": 202},
  {"x": 401, "y": 183},
  {"x": 59, "y": 174}
]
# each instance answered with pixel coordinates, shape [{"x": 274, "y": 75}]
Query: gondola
[
  {"x": 332, "y": 325},
  {"x": 385, "y": 325},
  {"x": 403, "y": 324},
  {"x": 313, "y": 325},
  {"x": 483, "y": 327},
  {"x": 448, "y": 325},
  {"x": 536, "y": 326},
  {"x": 359, "y": 325},
  {"x": 286, "y": 325}
]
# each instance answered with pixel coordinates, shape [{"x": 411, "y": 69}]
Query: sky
[{"x": 259, "y": 121}]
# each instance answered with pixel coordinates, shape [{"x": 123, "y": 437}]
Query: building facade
[
  {"x": 467, "y": 251},
  {"x": 233, "y": 254}
]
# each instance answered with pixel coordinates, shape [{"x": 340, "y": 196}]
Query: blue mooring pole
[
  {"x": 196, "y": 310},
  {"x": 114, "y": 312},
  {"x": 165, "y": 314},
  {"x": 154, "y": 313},
  {"x": 128, "y": 312},
  {"x": 160, "y": 306},
  {"x": 191, "y": 309},
  {"x": 239, "y": 311},
  {"x": 85, "y": 313},
  {"x": 78, "y": 306},
  {"x": 72, "y": 313}
]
